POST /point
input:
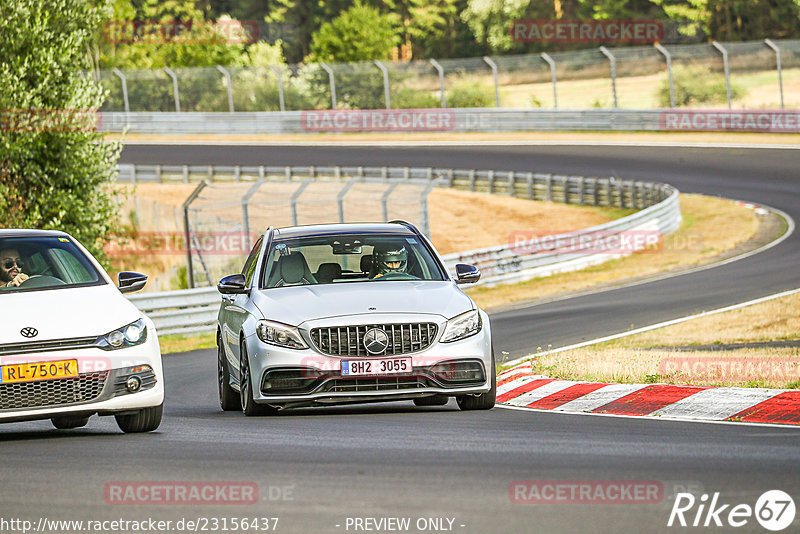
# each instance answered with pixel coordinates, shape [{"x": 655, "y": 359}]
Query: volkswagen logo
[
  {"x": 376, "y": 341},
  {"x": 32, "y": 332}
]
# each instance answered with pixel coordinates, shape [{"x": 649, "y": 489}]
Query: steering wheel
[
  {"x": 42, "y": 280},
  {"x": 397, "y": 276}
]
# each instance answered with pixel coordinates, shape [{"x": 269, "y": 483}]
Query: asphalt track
[{"x": 400, "y": 461}]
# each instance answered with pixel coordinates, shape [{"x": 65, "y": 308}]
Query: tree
[
  {"x": 55, "y": 167},
  {"x": 361, "y": 33}
]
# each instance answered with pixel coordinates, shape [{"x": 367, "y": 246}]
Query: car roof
[
  {"x": 22, "y": 232},
  {"x": 346, "y": 228}
]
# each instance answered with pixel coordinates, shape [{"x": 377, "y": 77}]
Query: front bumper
[
  {"x": 101, "y": 389},
  {"x": 319, "y": 380}
]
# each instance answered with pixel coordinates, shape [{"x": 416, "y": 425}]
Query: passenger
[{"x": 11, "y": 266}]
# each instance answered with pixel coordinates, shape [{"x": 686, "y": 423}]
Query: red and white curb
[{"x": 520, "y": 387}]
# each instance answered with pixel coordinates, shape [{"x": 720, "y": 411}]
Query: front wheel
[
  {"x": 145, "y": 420},
  {"x": 249, "y": 406},
  {"x": 484, "y": 401},
  {"x": 228, "y": 398}
]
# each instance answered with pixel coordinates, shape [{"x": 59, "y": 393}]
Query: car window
[
  {"x": 347, "y": 258},
  {"x": 44, "y": 263}
]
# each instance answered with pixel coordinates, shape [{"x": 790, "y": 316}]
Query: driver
[
  {"x": 389, "y": 258},
  {"x": 11, "y": 266}
]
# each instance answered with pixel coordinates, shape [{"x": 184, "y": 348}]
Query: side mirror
[
  {"x": 467, "y": 274},
  {"x": 130, "y": 281},
  {"x": 232, "y": 285}
]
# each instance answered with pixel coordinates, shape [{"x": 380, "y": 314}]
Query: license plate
[
  {"x": 31, "y": 372},
  {"x": 393, "y": 366}
]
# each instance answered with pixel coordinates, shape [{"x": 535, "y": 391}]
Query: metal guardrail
[
  {"x": 448, "y": 120},
  {"x": 195, "y": 310}
]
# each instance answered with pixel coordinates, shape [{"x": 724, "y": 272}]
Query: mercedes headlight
[
  {"x": 279, "y": 334},
  {"x": 462, "y": 326},
  {"x": 127, "y": 336}
]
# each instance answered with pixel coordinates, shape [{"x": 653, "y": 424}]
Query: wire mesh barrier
[
  {"x": 744, "y": 75},
  {"x": 230, "y": 201}
]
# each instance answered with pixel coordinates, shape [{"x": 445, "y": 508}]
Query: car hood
[
  {"x": 297, "y": 304},
  {"x": 64, "y": 313}
]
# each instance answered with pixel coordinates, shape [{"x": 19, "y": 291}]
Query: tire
[
  {"x": 145, "y": 420},
  {"x": 434, "y": 400},
  {"x": 249, "y": 406},
  {"x": 484, "y": 401},
  {"x": 69, "y": 421},
  {"x": 228, "y": 397}
]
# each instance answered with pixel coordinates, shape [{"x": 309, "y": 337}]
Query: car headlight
[
  {"x": 127, "y": 336},
  {"x": 281, "y": 335},
  {"x": 461, "y": 326}
]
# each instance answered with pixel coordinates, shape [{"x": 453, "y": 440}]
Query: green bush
[
  {"x": 470, "y": 95},
  {"x": 406, "y": 98},
  {"x": 696, "y": 85}
]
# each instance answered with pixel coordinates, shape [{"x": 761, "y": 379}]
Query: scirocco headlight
[
  {"x": 127, "y": 336},
  {"x": 279, "y": 334},
  {"x": 461, "y": 326}
]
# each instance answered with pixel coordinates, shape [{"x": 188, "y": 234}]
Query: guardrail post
[
  {"x": 125, "y": 102},
  {"x": 332, "y": 82},
  {"x": 450, "y": 178},
  {"x": 565, "y": 185},
  {"x": 548, "y": 180},
  {"x": 724, "y": 53},
  {"x": 385, "y": 200},
  {"x": 490, "y": 177},
  {"x": 493, "y": 66},
  {"x": 512, "y": 184},
  {"x": 174, "y": 77},
  {"x": 595, "y": 192},
  {"x": 210, "y": 173},
  {"x": 581, "y": 190},
  {"x": 187, "y": 234},
  {"x": 246, "y": 206},
  {"x": 288, "y": 173},
  {"x": 440, "y": 70},
  {"x": 668, "y": 58},
  {"x": 612, "y": 63},
  {"x": 777, "y": 50},
  {"x": 293, "y": 200},
  {"x": 386, "y": 91},
  {"x": 529, "y": 177},
  {"x": 340, "y": 198},
  {"x": 550, "y": 61},
  {"x": 185, "y": 173},
  {"x": 228, "y": 84},
  {"x": 472, "y": 180}
]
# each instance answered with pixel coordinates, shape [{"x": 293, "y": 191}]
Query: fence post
[
  {"x": 386, "y": 91},
  {"x": 187, "y": 234},
  {"x": 280, "y": 86},
  {"x": 493, "y": 66},
  {"x": 385, "y": 200},
  {"x": 550, "y": 61},
  {"x": 245, "y": 209},
  {"x": 332, "y": 81},
  {"x": 340, "y": 198},
  {"x": 424, "y": 216},
  {"x": 724, "y": 53},
  {"x": 612, "y": 63},
  {"x": 440, "y": 70},
  {"x": 124, "y": 81},
  {"x": 230, "y": 86},
  {"x": 668, "y": 58},
  {"x": 293, "y": 200},
  {"x": 171, "y": 74},
  {"x": 777, "y": 50}
]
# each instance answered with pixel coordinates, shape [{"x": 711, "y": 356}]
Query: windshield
[
  {"x": 33, "y": 263},
  {"x": 346, "y": 258}
]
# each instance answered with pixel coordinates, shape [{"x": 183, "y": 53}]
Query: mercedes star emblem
[
  {"x": 376, "y": 341},
  {"x": 32, "y": 332}
]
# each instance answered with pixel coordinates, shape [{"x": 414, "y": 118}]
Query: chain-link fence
[{"x": 746, "y": 75}]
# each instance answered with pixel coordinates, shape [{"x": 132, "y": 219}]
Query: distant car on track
[
  {"x": 71, "y": 346},
  {"x": 350, "y": 313}
]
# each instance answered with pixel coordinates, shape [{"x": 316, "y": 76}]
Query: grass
[
  {"x": 710, "y": 227},
  {"x": 171, "y": 343},
  {"x": 646, "y": 357}
]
